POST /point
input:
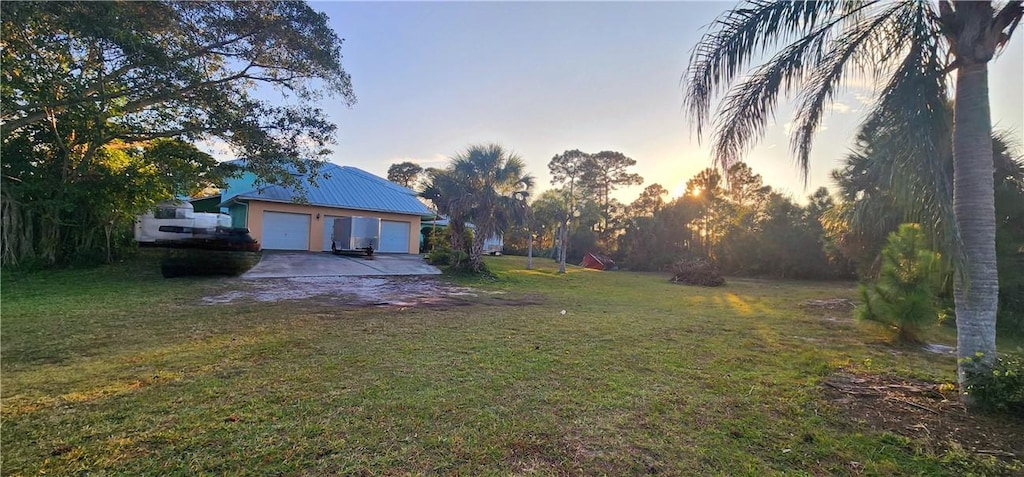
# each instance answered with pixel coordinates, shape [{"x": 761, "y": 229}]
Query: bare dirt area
[
  {"x": 834, "y": 304},
  {"x": 921, "y": 411},
  {"x": 359, "y": 292}
]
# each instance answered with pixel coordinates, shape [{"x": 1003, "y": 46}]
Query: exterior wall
[
  {"x": 316, "y": 225},
  {"x": 243, "y": 182},
  {"x": 238, "y": 215}
]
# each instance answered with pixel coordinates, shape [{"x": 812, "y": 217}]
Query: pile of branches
[{"x": 696, "y": 271}]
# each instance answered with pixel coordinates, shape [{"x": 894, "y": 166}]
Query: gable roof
[
  {"x": 597, "y": 261},
  {"x": 344, "y": 187}
]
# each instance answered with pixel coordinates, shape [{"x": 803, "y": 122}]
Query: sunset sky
[{"x": 541, "y": 78}]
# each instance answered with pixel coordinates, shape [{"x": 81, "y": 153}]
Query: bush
[
  {"x": 1000, "y": 388},
  {"x": 441, "y": 252},
  {"x": 440, "y": 256},
  {"x": 696, "y": 271},
  {"x": 904, "y": 293},
  {"x": 446, "y": 257}
]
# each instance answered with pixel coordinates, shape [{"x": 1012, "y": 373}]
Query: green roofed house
[{"x": 278, "y": 222}]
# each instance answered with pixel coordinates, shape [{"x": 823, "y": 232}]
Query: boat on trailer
[{"x": 196, "y": 243}]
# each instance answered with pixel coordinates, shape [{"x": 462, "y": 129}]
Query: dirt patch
[
  {"x": 922, "y": 411},
  {"x": 359, "y": 292},
  {"x": 836, "y": 304}
]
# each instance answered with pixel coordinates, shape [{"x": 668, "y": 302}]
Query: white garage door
[
  {"x": 328, "y": 230},
  {"x": 394, "y": 236},
  {"x": 283, "y": 231}
]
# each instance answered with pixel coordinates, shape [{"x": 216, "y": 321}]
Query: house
[
  {"x": 493, "y": 245},
  {"x": 278, "y": 222}
]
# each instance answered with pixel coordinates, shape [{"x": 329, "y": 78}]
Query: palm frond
[
  {"x": 827, "y": 77},
  {"x": 913, "y": 120},
  {"x": 741, "y": 35},
  {"x": 1009, "y": 161},
  {"x": 746, "y": 110}
]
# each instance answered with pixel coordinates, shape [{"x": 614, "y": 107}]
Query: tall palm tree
[
  {"x": 486, "y": 186},
  {"x": 911, "y": 47}
]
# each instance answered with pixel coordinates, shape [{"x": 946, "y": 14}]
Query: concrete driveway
[{"x": 281, "y": 264}]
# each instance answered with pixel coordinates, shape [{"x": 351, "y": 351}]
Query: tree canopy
[
  {"x": 588, "y": 180},
  {"x": 82, "y": 78},
  {"x": 485, "y": 185},
  {"x": 405, "y": 173}
]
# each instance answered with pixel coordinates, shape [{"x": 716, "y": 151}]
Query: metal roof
[{"x": 345, "y": 187}]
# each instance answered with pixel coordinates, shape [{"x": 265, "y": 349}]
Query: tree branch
[{"x": 90, "y": 94}]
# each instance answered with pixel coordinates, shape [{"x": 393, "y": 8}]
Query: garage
[
  {"x": 280, "y": 221},
  {"x": 328, "y": 231},
  {"x": 284, "y": 231},
  {"x": 394, "y": 236}
]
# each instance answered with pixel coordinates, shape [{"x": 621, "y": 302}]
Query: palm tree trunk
[
  {"x": 476, "y": 252},
  {"x": 976, "y": 289},
  {"x": 456, "y": 231}
]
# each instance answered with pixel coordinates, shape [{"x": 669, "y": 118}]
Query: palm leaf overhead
[{"x": 823, "y": 45}]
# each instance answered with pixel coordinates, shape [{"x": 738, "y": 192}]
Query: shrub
[
  {"x": 445, "y": 256},
  {"x": 904, "y": 293},
  {"x": 696, "y": 271},
  {"x": 440, "y": 256},
  {"x": 441, "y": 252},
  {"x": 1000, "y": 388}
]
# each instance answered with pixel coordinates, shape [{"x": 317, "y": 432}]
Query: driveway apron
[{"x": 278, "y": 264}]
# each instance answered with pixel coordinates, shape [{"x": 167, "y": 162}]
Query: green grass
[{"x": 117, "y": 371}]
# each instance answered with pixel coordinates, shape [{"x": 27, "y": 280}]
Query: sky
[{"x": 542, "y": 78}]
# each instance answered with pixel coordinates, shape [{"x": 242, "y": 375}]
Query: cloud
[
  {"x": 438, "y": 158},
  {"x": 434, "y": 160},
  {"x": 840, "y": 107}
]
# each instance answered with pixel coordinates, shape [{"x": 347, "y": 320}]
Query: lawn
[{"x": 118, "y": 371}]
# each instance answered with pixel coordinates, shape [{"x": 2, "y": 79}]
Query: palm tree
[
  {"x": 879, "y": 195},
  {"x": 486, "y": 186},
  {"x": 912, "y": 46}
]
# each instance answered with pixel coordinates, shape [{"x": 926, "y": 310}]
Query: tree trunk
[
  {"x": 976, "y": 288},
  {"x": 562, "y": 238},
  {"x": 107, "y": 231},
  {"x": 529, "y": 251},
  {"x": 456, "y": 231},
  {"x": 476, "y": 252}
]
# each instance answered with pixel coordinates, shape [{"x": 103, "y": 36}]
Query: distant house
[{"x": 278, "y": 222}]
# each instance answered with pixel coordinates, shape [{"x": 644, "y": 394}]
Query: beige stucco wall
[{"x": 254, "y": 221}]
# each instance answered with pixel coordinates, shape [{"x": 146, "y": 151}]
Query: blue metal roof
[{"x": 345, "y": 187}]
